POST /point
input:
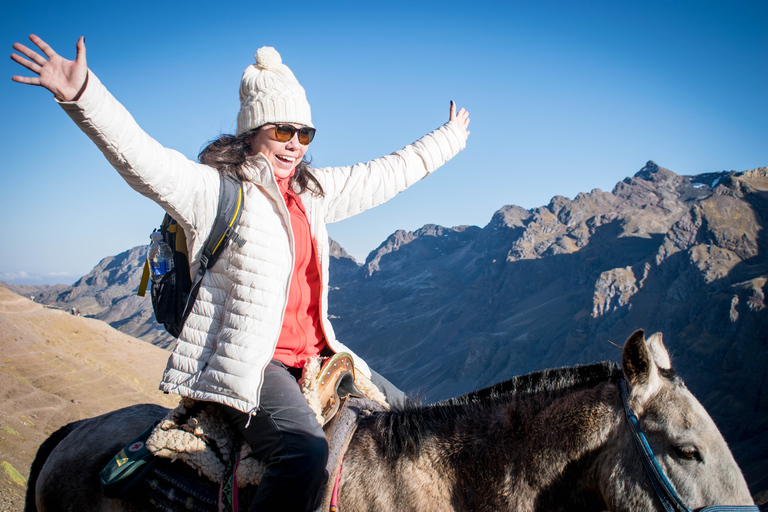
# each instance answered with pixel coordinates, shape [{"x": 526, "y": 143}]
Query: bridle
[{"x": 664, "y": 490}]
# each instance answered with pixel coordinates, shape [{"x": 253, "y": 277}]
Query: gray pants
[{"x": 286, "y": 435}]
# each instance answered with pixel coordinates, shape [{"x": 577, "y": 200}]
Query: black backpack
[{"x": 174, "y": 294}]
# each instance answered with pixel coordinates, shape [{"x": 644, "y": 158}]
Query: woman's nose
[{"x": 293, "y": 143}]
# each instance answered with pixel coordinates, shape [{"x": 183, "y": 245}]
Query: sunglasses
[{"x": 285, "y": 132}]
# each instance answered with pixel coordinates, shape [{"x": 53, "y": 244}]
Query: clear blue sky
[{"x": 564, "y": 97}]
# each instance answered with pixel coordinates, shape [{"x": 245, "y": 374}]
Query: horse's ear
[
  {"x": 636, "y": 359},
  {"x": 641, "y": 361},
  {"x": 659, "y": 352}
]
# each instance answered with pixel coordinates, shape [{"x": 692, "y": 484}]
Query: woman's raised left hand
[{"x": 460, "y": 118}]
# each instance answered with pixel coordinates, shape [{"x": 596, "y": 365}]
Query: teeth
[{"x": 286, "y": 158}]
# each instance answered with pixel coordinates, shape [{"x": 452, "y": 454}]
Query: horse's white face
[
  {"x": 691, "y": 450},
  {"x": 687, "y": 444}
]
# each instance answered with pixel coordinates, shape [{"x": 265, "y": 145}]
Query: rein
[{"x": 664, "y": 490}]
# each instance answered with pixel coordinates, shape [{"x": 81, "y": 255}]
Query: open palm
[{"x": 64, "y": 78}]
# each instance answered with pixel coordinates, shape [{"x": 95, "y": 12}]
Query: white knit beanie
[{"x": 269, "y": 93}]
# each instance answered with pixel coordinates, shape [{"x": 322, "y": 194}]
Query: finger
[
  {"x": 452, "y": 114},
  {"x": 80, "y": 50},
  {"x": 26, "y": 80},
  {"x": 27, "y": 64},
  {"x": 32, "y": 54},
  {"x": 44, "y": 47}
]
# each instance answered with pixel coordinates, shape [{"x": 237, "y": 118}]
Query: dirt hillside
[{"x": 56, "y": 368}]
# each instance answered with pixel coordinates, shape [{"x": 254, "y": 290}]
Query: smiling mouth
[{"x": 286, "y": 159}]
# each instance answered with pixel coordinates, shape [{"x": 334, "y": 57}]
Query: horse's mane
[
  {"x": 544, "y": 381},
  {"x": 406, "y": 428}
]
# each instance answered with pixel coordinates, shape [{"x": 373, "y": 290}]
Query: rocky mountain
[
  {"x": 441, "y": 311},
  {"x": 108, "y": 293},
  {"x": 547, "y": 287}
]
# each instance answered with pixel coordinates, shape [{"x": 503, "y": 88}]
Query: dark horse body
[{"x": 554, "y": 440}]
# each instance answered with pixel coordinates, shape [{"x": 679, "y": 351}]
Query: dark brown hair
[{"x": 228, "y": 153}]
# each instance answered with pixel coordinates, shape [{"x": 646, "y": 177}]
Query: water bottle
[{"x": 160, "y": 256}]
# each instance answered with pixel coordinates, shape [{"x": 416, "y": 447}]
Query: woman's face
[{"x": 282, "y": 156}]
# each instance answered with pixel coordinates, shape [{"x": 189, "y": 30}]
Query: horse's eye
[{"x": 688, "y": 453}]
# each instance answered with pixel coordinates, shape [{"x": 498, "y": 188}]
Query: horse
[{"x": 553, "y": 440}]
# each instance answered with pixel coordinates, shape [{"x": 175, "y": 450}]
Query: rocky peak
[
  {"x": 509, "y": 217},
  {"x": 429, "y": 239},
  {"x": 649, "y": 185},
  {"x": 344, "y": 266},
  {"x": 337, "y": 251},
  {"x": 651, "y": 172},
  {"x": 392, "y": 243}
]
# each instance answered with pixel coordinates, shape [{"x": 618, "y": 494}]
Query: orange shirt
[{"x": 301, "y": 337}]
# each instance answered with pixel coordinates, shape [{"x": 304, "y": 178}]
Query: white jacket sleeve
[
  {"x": 354, "y": 189},
  {"x": 187, "y": 190}
]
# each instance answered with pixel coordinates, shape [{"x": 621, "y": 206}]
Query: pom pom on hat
[
  {"x": 269, "y": 93},
  {"x": 267, "y": 58}
]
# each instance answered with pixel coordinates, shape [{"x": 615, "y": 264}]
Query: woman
[{"x": 261, "y": 312}]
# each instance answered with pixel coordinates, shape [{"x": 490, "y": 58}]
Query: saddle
[
  {"x": 196, "y": 434},
  {"x": 335, "y": 381}
]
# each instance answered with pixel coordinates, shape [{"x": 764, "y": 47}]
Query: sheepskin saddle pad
[{"x": 197, "y": 434}]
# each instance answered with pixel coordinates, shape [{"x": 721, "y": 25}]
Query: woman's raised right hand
[{"x": 66, "y": 79}]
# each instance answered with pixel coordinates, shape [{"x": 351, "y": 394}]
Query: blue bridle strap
[{"x": 664, "y": 490}]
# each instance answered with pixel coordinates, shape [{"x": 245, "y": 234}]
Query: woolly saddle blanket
[{"x": 197, "y": 434}]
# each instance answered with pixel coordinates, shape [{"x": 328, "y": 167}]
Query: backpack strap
[
  {"x": 227, "y": 218},
  {"x": 144, "y": 280},
  {"x": 223, "y": 231}
]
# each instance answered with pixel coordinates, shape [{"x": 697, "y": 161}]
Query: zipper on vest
[{"x": 291, "y": 242}]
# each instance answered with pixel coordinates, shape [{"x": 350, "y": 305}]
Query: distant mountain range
[{"x": 441, "y": 311}]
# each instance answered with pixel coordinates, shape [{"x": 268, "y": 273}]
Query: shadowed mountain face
[
  {"x": 441, "y": 311},
  {"x": 548, "y": 287}
]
